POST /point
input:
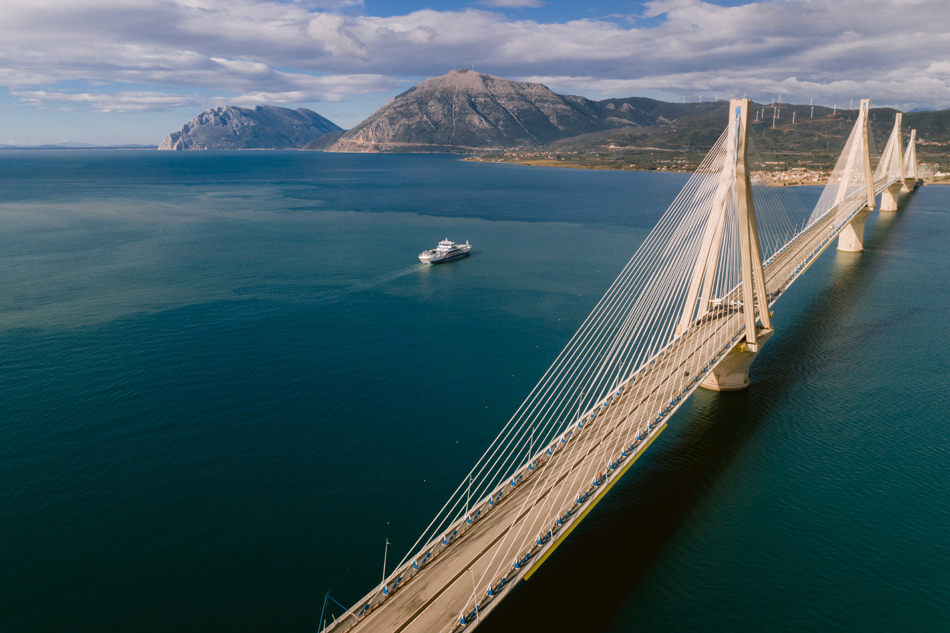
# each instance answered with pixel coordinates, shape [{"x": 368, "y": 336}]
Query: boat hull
[{"x": 450, "y": 258}]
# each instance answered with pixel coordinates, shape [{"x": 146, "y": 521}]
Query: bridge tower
[
  {"x": 892, "y": 165},
  {"x": 734, "y": 187},
  {"x": 910, "y": 163},
  {"x": 858, "y": 165}
]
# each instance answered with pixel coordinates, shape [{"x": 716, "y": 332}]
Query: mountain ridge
[
  {"x": 467, "y": 111},
  {"x": 261, "y": 127}
]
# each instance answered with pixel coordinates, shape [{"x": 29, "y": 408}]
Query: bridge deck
[{"x": 457, "y": 577}]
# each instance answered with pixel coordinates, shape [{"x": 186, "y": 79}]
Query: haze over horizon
[{"x": 122, "y": 71}]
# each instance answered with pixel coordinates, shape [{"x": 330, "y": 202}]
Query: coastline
[
  {"x": 560, "y": 164},
  {"x": 567, "y": 164}
]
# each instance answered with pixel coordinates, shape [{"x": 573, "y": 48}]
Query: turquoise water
[{"x": 225, "y": 381}]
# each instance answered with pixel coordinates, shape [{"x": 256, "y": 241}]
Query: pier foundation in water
[{"x": 732, "y": 374}]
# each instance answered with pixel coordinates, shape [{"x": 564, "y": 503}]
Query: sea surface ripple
[{"x": 225, "y": 381}]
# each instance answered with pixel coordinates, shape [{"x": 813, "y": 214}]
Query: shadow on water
[{"x": 587, "y": 580}]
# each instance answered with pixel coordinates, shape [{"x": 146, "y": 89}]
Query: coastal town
[{"x": 792, "y": 172}]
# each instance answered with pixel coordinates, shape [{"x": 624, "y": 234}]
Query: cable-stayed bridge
[{"x": 691, "y": 309}]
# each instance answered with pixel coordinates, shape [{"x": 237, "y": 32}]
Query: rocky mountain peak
[
  {"x": 261, "y": 127},
  {"x": 465, "y": 110}
]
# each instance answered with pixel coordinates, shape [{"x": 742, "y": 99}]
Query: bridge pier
[
  {"x": 909, "y": 184},
  {"x": 890, "y": 197},
  {"x": 732, "y": 374},
  {"x": 851, "y": 239}
]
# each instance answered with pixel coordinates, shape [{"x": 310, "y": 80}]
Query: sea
[{"x": 226, "y": 382}]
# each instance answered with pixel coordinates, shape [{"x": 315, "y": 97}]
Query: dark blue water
[{"x": 222, "y": 387}]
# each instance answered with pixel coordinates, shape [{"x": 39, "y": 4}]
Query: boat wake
[
  {"x": 415, "y": 268},
  {"x": 368, "y": 284}
]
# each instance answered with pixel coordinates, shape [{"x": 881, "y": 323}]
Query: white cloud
[
  {"x": 297, "y": 89},
  {"x": 659, "y": 7},
  {"x": 895, "y": 53},
  {"x": 511, "y": 4},
  {"x": 418, "y": 35},
  {"x": 330, "y": 5},
  {"x": 103, "y": 102},
  {"x": 329, "y": 29}
]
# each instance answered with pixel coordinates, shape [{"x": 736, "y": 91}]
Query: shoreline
[{"x": 571, "y": 165}]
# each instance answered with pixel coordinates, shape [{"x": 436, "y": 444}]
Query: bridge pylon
[
  {"x": 734, "y": 188},
  {"x": 892, "y": 166},
  {"x": 910, "y": 163},
  {"x": 857, "y": 171}
]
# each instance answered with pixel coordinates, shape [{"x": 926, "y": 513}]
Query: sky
[{"x": 131, "y": 71}]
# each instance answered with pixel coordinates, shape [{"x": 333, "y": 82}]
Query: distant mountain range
[
  {"x": 262, "y": 127},
  {"x": 796, "y": 131},
  {"x": 468, "y": 112}
]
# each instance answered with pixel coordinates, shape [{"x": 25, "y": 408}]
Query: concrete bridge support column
[
  {"x": 909, "y": 184},
  {"x": 732, "y": 374},
  {"x": 851, "y": 239},
  {"x": 890, "y": 197}
]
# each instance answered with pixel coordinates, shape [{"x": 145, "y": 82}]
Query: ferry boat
[{"x": 445, "y": 252}]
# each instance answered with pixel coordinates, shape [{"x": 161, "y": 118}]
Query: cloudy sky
[{"x": 131, "y": 71}]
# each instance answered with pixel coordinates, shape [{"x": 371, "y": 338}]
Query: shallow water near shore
[{"x": 226, "y": 380}]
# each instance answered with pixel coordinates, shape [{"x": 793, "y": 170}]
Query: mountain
[
  {"x": 262, "y": 127},
  {"x": 812, "y": 130},
  {"x": 650, "y": 112},
  {"x": 466, "y": 111},
  {"x": 931, "y": 125},
  {"x": 798, "y": 136}
]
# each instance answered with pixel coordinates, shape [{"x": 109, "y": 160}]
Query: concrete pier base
[
  {"x": 851, "y": 239},
  {"x": 732, "y": 374},
  {"x": 911, "y": 183},
  {"x": 890, "y": 197}
]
